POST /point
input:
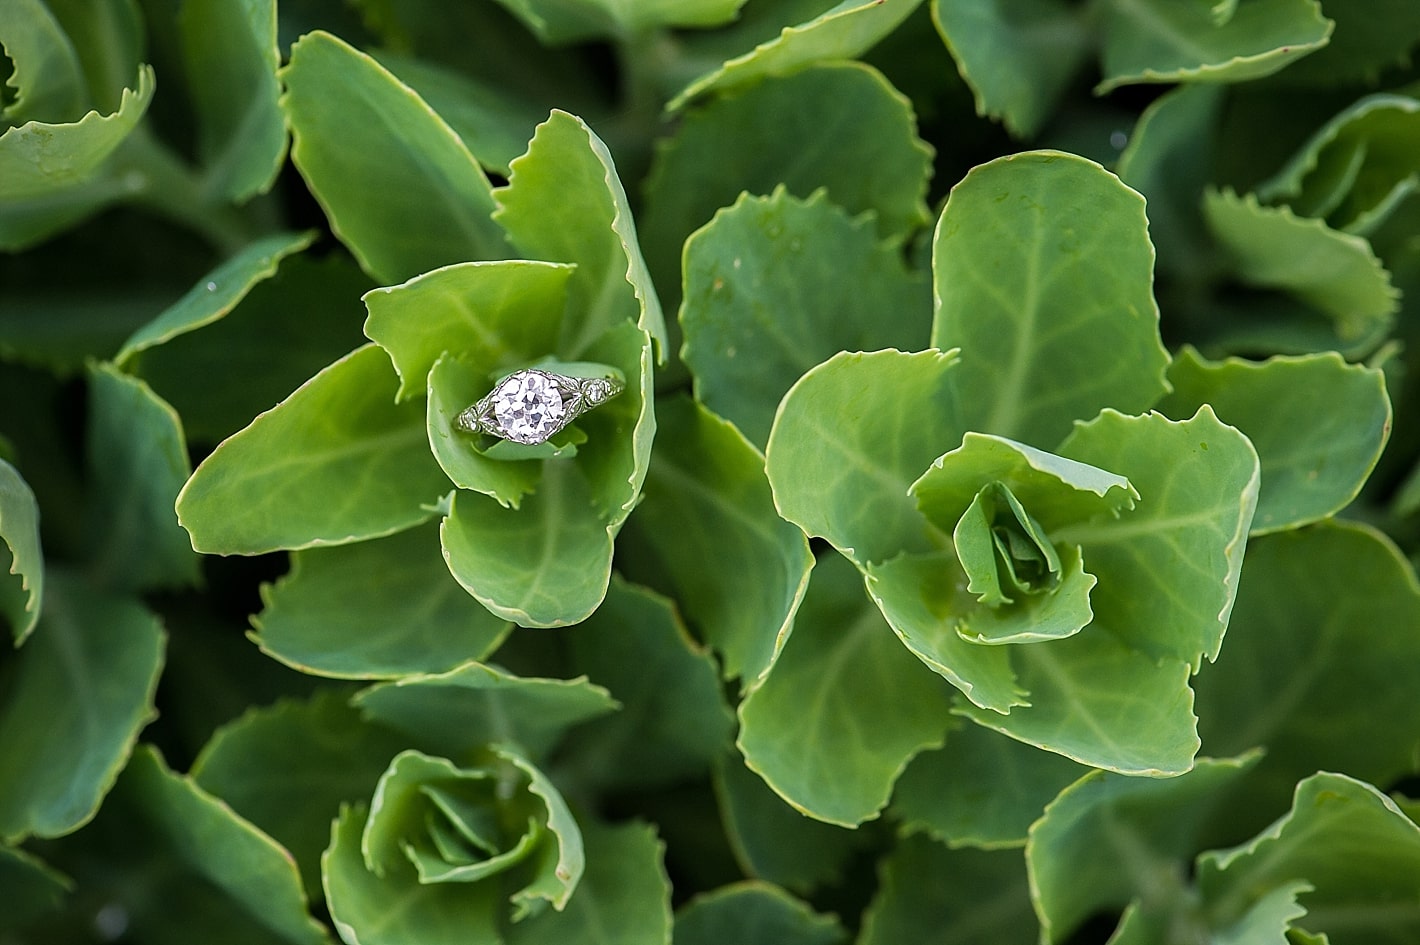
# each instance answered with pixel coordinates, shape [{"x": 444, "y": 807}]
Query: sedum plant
[{"x": 960, "y": 485}]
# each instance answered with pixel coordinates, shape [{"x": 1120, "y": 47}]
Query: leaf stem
[{"x": 159, "y": 180}]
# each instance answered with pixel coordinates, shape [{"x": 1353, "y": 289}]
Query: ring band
[{"x": 531, "y": 406}]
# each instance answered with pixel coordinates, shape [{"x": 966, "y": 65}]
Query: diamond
[{"x": 528, "y": 406}]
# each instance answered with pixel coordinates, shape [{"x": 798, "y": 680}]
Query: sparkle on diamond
[{"x": 528, "y": 407}]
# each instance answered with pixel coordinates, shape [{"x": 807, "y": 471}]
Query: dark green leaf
[
  {"x": 1370, "y": 36},
  {"x": 754, "y": 913},
  {"x": 108, "y": 37},
  {"x": 556, "y": 21},
  {"x": 32, "y": 889},
  {"x": 22, "y": 581},
  {"x": 47, "y": 76}
]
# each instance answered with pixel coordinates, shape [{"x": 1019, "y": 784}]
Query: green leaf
[
  {"x": 838, "y": 126},
  {"x": 137, "y": 462},
  {"x": 288, "y": 768},
  {"x": 1350, "y": 842},
  {"x": 231, "y": 57},
  {"x": 108, "y": 38},
  {"x": 455, "y": 385},
  {"x": 845, "y": 708},
  {"x": 1320, "y": 649},
  {"x": 707, "y": 499},
  {"x": 77, "y": 696},
  {"x": 1197, "y": 481},
  {"x": 1051, "y": 328},
  {"x": 1334, "y": 272},
  {"x": 557, "y": 22},
  {"x": 32, "y": 889},
  {"x": 1109, "y": 840},
  {"x": 22, "y": 582},
  {"x": 1163, "y": 41},
  {"x": 337, "y": 461},
  {"x": 326, "y": 616},
  {"x": 845, "y": 30},
  {"x": 217, "y": 293},
  {"x": 980, "y": 790},
  {"x": 623, "y": 897},
  {"x": 399, "y": 187},
  {"x": 754, "y": 913},
  {"x": 1318, "y": 424},
  {"x": 673, "y": 720},
  {"x": 39, "y": 159},
  {"x": 771, "y": 840},
  {"x": 850, "y": 437},
  {"x": 247, "y": 868},
  {"x": 1018, "y": 56},
  {"x": 565, "y": 203},
  {"x": 1370, "y": 37},
  {"x": 927, "y": 893},
  {"x": 46, "y": 75},
  {"x": 494, "y": 315},
  {"x": 456, "y": 712},
  {"x": 764, "y": 300}
]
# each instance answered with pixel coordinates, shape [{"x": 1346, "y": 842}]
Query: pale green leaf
[
  {"x": 844, "y": 709},
  {"x": 32, "y": 889},
  {"x": 565, "y": 203},
  {"x": 845, "y": 30},
  {"x": 1168, "y": 41},
  {"x": 850, "y": 437},
  {"x": 454, "y": 713},
  {"x": 1336, "y": 273},
  {"x": 754, "y": 913},
  {"x": 399, "y": 187},
  {"x": 231, "y": 56},
  {"x": 137, "y": 460},
  {"x": 1318, "y": 424},
  {"x": 1052, "y": 327},
  {"x": 981, "y": 789},
  {"x": 217, "y": 293},
  {"x": 764, "y": 300},
  {"x": 1018, "y": 56},
  {"x": 22, "y": 580},
  {"x": 560, "y": 21},
  {"x": 326, "y": 616},
  {"x": 1168, "y": 569},
  {"x": 77, "y": 696},
  {"x": 706, "y": 498},
  {"x": 494, "y": 315},
  {"x": 47, "y": 76}
]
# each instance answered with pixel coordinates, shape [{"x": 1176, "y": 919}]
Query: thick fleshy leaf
[
  {"x": 565, "y": 203},
  {"x": 32, "y": 889},
  {"x": 494, "y": 315},
  {"x": 47, "y": 77},
  {"x": 555, "y": 21},
  {"x": 1336, "y": 273},
  {"x": 845, "y": 708},
  {"x": 1318, "y": 424},
  {"x": 764, "y": 302},
  {"x": 217, "y": 293},
  {"x": 289, "y": 767},
  {"x": 1018, "y": 56},
  {"x": 845, "y": 30},
  {"x": 454, "y": 713},
  {"x": 103, "y": 654},
  {"x": 849, "y": 439},
  {"x": 839, "y": 126},
  {"x": 927, "y": 893},
  {"x": 754, "y": 913},
  {"x": 771, "y": 840},
  {"x": 1108, "y": 840},
  {"x": 399, "y": 187},
  {"x": 707, "y": 499},
  {"x": 617, "y": 453},
  {"x": 623, "y": 897},
  {"x": 544, "y": 564},
  {"x": 1323, "y": 645},
  {"x": 1051, "y": 328},
  {"x": 1351, "y": 843},
  {"x": 1370, "y": 36},
  {"x": 981, "y": 789},
  {"x": 673, "y": 721},
  {"x": 337, "y": 461},
  {"x": 108, "y": 39},
  {"x": 1168, "y": 569},
  {"x": 137, "y": 462},
  {"x": 231, "y": 56},
  {"x": 1163, "y": 41},
  {"x": 326, "y": 615},
  {"x": 22, "y": 580}
]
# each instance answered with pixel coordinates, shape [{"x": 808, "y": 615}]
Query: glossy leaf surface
[{"x": 753, "y": 914}]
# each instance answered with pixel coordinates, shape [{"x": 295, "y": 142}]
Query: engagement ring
[{"x": 531, "y": 406}]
